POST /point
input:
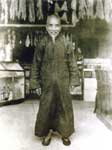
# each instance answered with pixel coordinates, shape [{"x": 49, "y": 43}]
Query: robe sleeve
[
  {"x": 35, "y": 80},
  {"x": 73, "y": 69}
]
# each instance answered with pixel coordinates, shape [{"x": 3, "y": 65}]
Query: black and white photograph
[{"x": 55, "y": 74}]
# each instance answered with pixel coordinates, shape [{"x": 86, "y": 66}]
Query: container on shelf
[{"x": 12, "y": 84}]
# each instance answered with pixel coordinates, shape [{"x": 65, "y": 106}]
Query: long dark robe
[{"x": 54, "y": 69}]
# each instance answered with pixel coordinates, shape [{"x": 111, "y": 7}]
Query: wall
[{"x": 93, "y": 36}]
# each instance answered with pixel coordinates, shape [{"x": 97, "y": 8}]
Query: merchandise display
[{"x": 11, "y": 82}]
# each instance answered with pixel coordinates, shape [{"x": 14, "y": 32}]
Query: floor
[{"x": 17, "y": 129}]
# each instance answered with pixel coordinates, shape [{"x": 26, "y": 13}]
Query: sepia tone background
[{"x": 87, "y": 25}]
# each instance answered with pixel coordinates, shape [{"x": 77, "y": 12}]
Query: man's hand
[{"x": 38, "y": 91}]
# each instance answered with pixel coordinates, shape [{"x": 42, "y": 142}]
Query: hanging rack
[{"x": 29, "y": 25}]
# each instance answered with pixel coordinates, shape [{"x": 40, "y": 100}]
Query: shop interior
[{"x": 87, "y": 25}]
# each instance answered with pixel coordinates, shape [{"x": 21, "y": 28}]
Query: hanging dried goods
[
  {"x": 82, "y": 9},
  {"x": 99, "y": 9},
  {"x": 74, "y": 18},
  {"x": 27, "y": 42},
  {"x": 22, "y": 10},
  {"x": 90, "y": 4},
  {"x": 64, "y": 17},
  {"x": 13, "y": 9},
  {"x": 39, "y": 10},
  {"x": 57, "y": 8},
  {"x": 108, "y": 10},
  {"x": 64, "y": 7},
  {"x": 74, "y": 4},
  {"x": 31, "y": 11},
  {"x": 34, "y": 10}
]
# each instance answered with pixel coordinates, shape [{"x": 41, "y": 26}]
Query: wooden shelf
[{"x": 28, "y": 25}]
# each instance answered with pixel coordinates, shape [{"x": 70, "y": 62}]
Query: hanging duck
[
  {"x": 31, "y": 11},
  {"x": 90, "y": 8},
  {"x": 50, "y": 1},
  {"x": 27, "y": 42},
  {"x": 64, "y": 6},
  {"x": 35, "y": 40},
  {"x": 108, "y": 10},
  {"x": 57, "y": 9},
  {"x": 74, "y": 12},
  {"x": 99, "y": 9},
  {"x": 31, "y": 39},
  {"x": 82, "y": 9},
  {"x": 22, "y": 10},
  {"x": 64, "y": 17},
  {"x": 74, "y": 18},
  {"x": 74, "y": 4},
  {"x": 39, "y": 13},
  {"x": 13, "y": 38}
]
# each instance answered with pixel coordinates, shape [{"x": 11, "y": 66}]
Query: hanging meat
[
  {"x": 90, "y": 4},
  {"x": 22, "y": 10},
  {"x": 13, "y": 39},
  {"x": 31, "y": 39},
  {"x": 39, "y": 10},
  {"x": 13, "y": 9},
  {"x": 74, "y": 4},
  {"x": 99, "y": 9},
  {"x": 0, "y": 10},
  {"x": 6, "y": 11},
  {"x": 64, "y": 6},
  {"x": 50, "y": 1},
  {"x": 27, "y": 42},
  {"x": 74, "y": 10},
  {"x": 35, "y": 40},
  {"x": 2, "y": 17},
  {"x": 31, "y": 10},
  {"x": 64, "y": 17},
  {"x": 82, "y": 10},
  {"x": 74, "y": 18},
  {"x": 57, "y": 8},
  {"x": 108, "y": 10}
]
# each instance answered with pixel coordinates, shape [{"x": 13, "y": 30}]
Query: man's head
[{"x": 53, "y": 25}]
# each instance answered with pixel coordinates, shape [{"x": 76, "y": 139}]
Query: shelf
[{"x": 29, "y": 25}]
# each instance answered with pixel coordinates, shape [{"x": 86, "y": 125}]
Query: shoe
[
  {"x": 66, "y": 141},
  {"x": 46, "y": 141}
]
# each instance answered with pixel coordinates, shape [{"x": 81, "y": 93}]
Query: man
[{"x": 53, "y": 72}]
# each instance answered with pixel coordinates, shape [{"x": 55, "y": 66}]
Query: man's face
[{"x": 53, "y": 26}]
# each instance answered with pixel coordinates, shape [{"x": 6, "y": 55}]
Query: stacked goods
[{"x": 104, "y": 92}]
